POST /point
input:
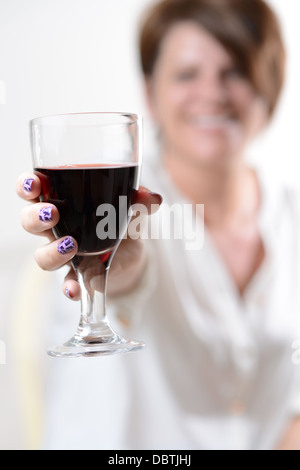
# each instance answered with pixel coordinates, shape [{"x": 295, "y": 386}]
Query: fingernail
[
  {"x": 158, "y": 196},
  {"x": 66, "y": 246},
  {"x": 27, "y": 184},
  {"x": 45, "y": 214},
  {"x": 68, "y": 294}
]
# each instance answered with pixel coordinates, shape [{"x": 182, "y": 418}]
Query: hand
[{"x": 39, "y": 218}]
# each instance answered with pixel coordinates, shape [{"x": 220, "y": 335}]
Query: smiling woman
[
  {"x": 249, "y": 31},
  {"x": 214, "y": 74},
  {"x": 206, "y": 106},
  {"x": 219, "y": 321}
]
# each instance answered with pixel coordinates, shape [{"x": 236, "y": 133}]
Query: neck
[{"x": 226, "y": 191}]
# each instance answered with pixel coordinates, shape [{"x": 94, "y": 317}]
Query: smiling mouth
[{"x": 210, "y": 122}]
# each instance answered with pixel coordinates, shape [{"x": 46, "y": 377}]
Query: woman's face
[{"x": 205, "y": 109}]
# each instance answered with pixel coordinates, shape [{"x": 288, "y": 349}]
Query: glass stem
[{"x": 94, "y": 325}]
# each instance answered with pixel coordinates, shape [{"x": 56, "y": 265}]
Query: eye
[
  {"x": 233, "y": 73},
  {"x": 186, "y": 75}
]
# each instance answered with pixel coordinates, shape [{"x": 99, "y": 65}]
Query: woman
[{"x": 219, "y": 322}]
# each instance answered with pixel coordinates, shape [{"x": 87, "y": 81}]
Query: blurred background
[{"x": 62, "y": 56}]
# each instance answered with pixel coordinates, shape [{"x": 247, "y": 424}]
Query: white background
[{"x": 60, "y": 56}]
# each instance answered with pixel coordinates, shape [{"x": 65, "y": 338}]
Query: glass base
[{"x": 83, "y": 348}]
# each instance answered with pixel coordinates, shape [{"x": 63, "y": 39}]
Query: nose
[{"x": 210, "y": 88}]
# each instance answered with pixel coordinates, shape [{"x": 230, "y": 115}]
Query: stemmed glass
[{"x": 89, "y": 166}]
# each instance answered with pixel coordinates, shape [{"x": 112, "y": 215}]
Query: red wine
[{"x": 78, "y": 191}]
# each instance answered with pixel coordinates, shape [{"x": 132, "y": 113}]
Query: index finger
[{"x": 28, "y": 187}]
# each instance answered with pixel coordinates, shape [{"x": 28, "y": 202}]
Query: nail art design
[
  {"x": 45, "y": 214},
  {"x": 66, "y": 246},
  {"x": 68, "y": 294},
  {"x": 27, "y": 184}
]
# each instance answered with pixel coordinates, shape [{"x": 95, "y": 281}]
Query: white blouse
[{"x": 217, "y": 371}]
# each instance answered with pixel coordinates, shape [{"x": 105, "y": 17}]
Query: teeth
[{"x": 212, "y": 121}]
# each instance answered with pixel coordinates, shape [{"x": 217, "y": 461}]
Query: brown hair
[{"x": 248, "y": 29}]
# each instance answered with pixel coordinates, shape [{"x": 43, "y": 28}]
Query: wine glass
[{"x": 89, "y": 166}]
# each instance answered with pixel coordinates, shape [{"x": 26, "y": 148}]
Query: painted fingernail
[
  {"x": 27, "y": 185},
  {"x": 158, "y": 196},
  {"x": 45, "y": 214},
  {"x": 66, "y": 246},
  {"x": 68, "y": 294}
]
